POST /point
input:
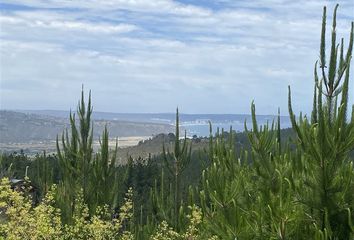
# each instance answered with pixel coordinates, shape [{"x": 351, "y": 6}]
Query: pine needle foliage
[
  {"x": 169, "y": 201},
  {"x": 95, "y": 173},
  {"x": 327, "y": 179}
]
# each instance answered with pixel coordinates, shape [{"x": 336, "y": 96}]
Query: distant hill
[
  {"x": 35, "y": 130},
  {"x": 17, "y": 127},
  {"x": 35, "y": 133},
  {"x": 153, "y": 146},
  {"x": 195, "y": 124}
]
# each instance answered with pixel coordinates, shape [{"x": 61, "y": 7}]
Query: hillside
[
  {"x": 20, "y": 127},
  {"x": 36, "y": 132}
]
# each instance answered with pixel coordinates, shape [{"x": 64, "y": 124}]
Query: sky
[{"x": 148, "y": 56}]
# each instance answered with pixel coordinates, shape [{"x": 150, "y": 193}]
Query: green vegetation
[{"x": 276, "y": 185}]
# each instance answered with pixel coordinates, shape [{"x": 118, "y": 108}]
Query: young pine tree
[
  {"x": 95, "y": 174},
  {"x": 326, "y": 188},
  {"x": 168, "y": 198}
]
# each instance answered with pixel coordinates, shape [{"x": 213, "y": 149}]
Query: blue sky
[{"x": 153, "y": 55}]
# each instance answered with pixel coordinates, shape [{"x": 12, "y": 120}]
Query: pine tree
[
  {"x": 168, "y": 199},
  {"x": 81, "y": 169},
  {"x": 327, "y": 177},
  {"x": 42, "y": 172}
]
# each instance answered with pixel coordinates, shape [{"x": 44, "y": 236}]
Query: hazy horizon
[
  {"x": 206, "y": 57},
  {"x": 194, "y": 124},
  {"x": 147, "y": 113}
]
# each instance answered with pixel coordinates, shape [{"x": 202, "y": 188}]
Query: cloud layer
[{"x": 150, "y": 56}]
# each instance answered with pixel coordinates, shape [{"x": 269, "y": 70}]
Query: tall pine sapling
[{"x": 326, "y": 141}]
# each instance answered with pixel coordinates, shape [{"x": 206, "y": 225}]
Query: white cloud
[
  {"x": 69, "y": 25},
  {"x": 155, "y": 6},
  {"x": 150, "y": 56},
  {"x": 99, "y": 28}
]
